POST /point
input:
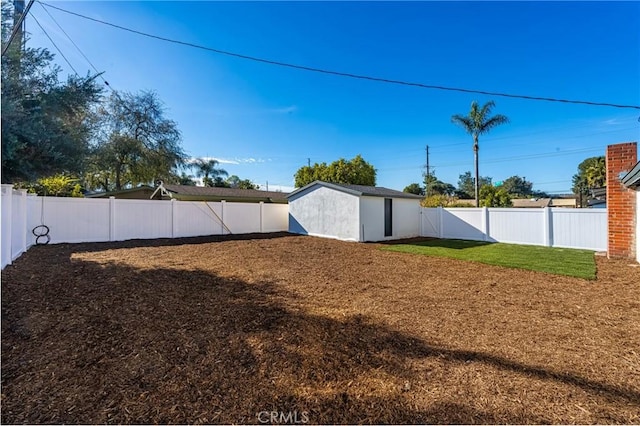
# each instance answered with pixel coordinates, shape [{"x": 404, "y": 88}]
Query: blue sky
[{"x": 263, "y": 121}]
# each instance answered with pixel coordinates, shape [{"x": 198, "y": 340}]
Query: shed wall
[
  {"x": 325, "y": 212},
  {"x": 405, "y": 215}
]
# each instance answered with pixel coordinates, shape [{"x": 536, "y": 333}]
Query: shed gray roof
[
  {"x": 359, "y": 190},
  {"x": 632, "y": 179}
]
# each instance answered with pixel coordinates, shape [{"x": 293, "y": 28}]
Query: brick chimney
[{"x": 621, "y": 201}]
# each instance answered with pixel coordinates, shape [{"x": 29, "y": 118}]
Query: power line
[
  {"x": 54, "y": 44},
  {"x": 529, "y": 135},
  {"x": 76, "y": 46},
  {"x": 339, "y": 73},
  {"x": 503, "y": 159},
  {"x": 531, "y": 156}
]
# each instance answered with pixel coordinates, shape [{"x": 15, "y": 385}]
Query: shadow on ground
[
  {"x": 90, "y": 343},
  {"x": 168, "y": 242},
  {"x": 437, "y": 242}
]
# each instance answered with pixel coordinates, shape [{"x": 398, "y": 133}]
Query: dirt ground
[{"x": 222, "y": 330}]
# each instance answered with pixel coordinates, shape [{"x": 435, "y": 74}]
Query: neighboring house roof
[
  {"x": 563, "y": 202},
  {"x": 531, "y": 202},
  {"x": 596, "y": 203},
  {"x": 632, "y": 179},
  {"x": 143, "y": 191},
  {"x": 599, "y": 192},
  {"x": 358, "y": 190},
  {"x": 188, "y": 192},
  {"x": 197, "y": 193}
]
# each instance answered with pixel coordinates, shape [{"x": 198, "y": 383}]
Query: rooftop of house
[
  {"x": 199, "y": 191},
  {"x": 531, "y": 202},
  {"x": 195, "y": 193},
  {"x": 564, "y": 202},
  {"x": 359, "y": 190}
]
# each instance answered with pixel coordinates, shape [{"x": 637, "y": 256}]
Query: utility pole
[
  {"x": 267, "y": 185},
  {"x": 19, "y": 13},
  {"x": 308, "y": 162},
  {"x": 426, "y": 180}
]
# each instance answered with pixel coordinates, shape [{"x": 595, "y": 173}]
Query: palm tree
[
  {"x": 477, "y": 123},
  {"x": 207, "y": 170}
]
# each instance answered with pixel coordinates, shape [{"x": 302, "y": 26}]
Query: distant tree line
[{"x": 438, "y": 193}]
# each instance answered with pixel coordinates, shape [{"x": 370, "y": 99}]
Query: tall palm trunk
[
  {"x": 477, "y": 123},
  {"x": 477, "y": 181}
]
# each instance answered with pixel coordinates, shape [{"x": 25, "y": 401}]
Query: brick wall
[{"x": 621, "y": 201}]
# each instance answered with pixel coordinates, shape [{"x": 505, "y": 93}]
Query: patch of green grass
[{"x": 575, "y": 263}]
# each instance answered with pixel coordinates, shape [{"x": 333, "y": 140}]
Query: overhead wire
[
  {"x": 98, "y": 73},
  {"x": 503, "y": 159},
  {"x": 53, "y": 42},
  {"x": 339, "y": 73},
  {"x": 528, "y": 135},
  {"x": 525, "y": 157}
]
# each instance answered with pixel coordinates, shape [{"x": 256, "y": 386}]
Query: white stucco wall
[
  {"x": 325, "y": 212},
  {"x": 371, "y": 219},
  {"x": 405, "y": 216}
]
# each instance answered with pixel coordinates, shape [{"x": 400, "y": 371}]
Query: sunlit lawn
[{"x": 575, "y": 263}]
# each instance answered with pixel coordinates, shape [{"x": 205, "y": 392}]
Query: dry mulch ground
[{"x": 217, "y": 330}]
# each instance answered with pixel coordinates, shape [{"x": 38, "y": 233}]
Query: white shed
[{"x": 353, "y": 212}]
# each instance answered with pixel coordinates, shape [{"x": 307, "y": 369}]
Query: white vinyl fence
[
  {"x": 75, "y": 220},
  {"x": 552, "y": 227}
]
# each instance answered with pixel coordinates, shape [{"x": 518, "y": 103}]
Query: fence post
[
  {"x": 548, "y": 227},
  {"x": 440, "y": 222},
  {"x": 173, "y": 217},
  {"x": 261, "y": 215},
  {"x": 112, "y": 218},
  {"x": 23, "y": 216},
  {"x": 7, "y": 195},
  {"x": 485, "y": 224},
  {"x": 222, "y": 203}
]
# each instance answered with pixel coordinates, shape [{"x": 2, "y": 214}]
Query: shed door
[{"x": 388, "y": 217}]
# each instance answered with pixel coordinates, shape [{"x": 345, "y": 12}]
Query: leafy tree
[
  {"x": 434, "y": 186},
  {"x": 477, "y": 123},
  {"x": 355, "y": 171},
  {"x": 307, "y": 174},
  {"x": 414, "y": 188},
  {"x": 218, "y": 182},
  {"x": 54, "y": 186},
  {"x": 235, "y": 182},
  {"x": 136, "y": 144},
  {"x": 591, "y": 174},
  {"x": 518, "y": 186},
  {"x": 441, "y": 200},
  {"x": 185, "y": 179},
  {"x": 466, "y": 185},
  {"x": 46, "y": 123},
  {"x": 490, "y": 196},
  {"x": 208, "y": 170}
]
